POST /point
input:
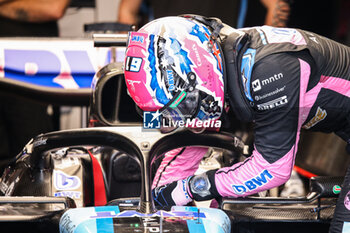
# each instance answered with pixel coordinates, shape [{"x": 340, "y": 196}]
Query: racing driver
[{"x": 281, "y": 79}]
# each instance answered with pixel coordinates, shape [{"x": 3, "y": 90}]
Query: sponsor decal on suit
[
  {"x": 319, "y": 116},
  {"x": 263, "y": 178}
]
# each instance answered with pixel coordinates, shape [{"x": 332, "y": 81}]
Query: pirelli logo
[{"x": 273, "y": 103}]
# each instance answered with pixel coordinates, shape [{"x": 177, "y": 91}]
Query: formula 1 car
[{"x": 98, "y": 179}]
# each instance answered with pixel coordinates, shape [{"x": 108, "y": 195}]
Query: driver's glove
[
  {"x": 175, "y": 193},
  {"x": 181, "y": 192}
]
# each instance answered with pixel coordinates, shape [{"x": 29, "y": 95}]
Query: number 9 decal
[{"x": 133, "y": 64}]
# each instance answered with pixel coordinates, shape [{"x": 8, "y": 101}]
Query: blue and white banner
[{"x": 60, "y": 63}]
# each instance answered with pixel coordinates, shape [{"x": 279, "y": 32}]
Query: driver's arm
[
  {"x": 128, "y": 11},
  {"x": 277, "y": 128},
  {"x": 278, "y": 12},
  {"x": 33, "y": 10},
  {"x": 275, "y": 91}
]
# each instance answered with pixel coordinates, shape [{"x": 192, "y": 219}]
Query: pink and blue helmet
[{"x": 174, "y": 66}]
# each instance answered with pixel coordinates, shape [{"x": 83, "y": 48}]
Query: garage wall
[{"x": 72, "y": 24}]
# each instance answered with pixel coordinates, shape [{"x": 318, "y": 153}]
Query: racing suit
[{"x": 287, "y": 79}]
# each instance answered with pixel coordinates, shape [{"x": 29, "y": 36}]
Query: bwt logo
[
  {"x": 62, "y": 181},
  {"x": 136, "y": 38},
  {"x": 71, "y": 194},
  {"x": 151, "y": 120},
  {"x": 254, "y": 183}
]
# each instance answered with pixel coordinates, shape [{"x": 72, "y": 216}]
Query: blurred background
[
  {"x": 326, "y": 17},
  {"x": 82, "y": 12}
]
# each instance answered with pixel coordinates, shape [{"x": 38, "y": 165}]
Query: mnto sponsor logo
[
  {"x": 272, "y": 79},
  {"x": 257, "y": 84}
]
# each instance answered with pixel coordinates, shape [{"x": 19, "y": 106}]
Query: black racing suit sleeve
[{"x": 276, "y": 105}]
